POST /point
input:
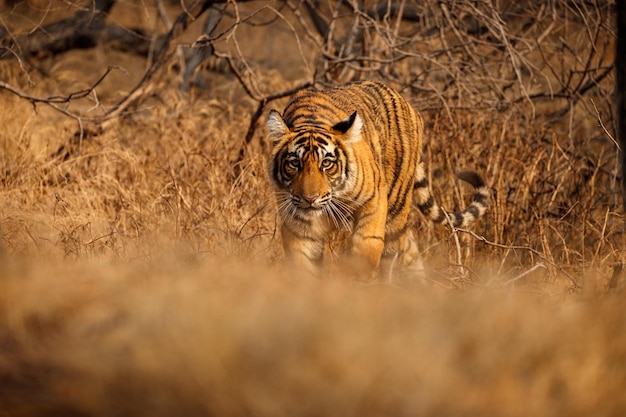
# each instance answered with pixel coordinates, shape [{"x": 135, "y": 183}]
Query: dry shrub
[
  {"x": 514, "y": 91},
  {"x": 164, "y": 174}
]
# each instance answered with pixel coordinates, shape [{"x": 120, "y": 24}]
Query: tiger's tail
[{"x": 427, "y": 204}]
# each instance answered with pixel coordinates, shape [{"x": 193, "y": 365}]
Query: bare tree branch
[
  {"x": 56, "y": 102},
  {"x": 79, "y": 31},
  {"x": 163, "y": 54}
]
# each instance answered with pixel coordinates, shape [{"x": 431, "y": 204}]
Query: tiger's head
[{"x": 311, "y": 167}]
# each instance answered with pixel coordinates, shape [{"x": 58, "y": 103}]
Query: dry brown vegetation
[{"x": 140, "y": 259}]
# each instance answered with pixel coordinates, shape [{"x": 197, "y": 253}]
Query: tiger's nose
[{"x": 310, "y": 199}]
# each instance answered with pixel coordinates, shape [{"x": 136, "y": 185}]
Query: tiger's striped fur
[{"x": 350, "y": 158}]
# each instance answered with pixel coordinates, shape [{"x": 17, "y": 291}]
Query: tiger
[{"x": 348, "y": 158}]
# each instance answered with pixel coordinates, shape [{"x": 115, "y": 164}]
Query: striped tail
[{"x": 427, "y": 205}]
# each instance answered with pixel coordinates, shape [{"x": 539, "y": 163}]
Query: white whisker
[
  {"x": 347, "y": 206},
  {"x": 328, "y": 211},
  {"x": 339, "y": 210},
  {"x": 340, "y": 213},
  {"x": 284, "y": 207}
]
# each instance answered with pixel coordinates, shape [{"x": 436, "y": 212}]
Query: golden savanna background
[{"x": 140, "y": 257}]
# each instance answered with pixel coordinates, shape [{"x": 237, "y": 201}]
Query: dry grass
[
  {"x": 223, "y": 339},
  {"x": 140, "y": 274}
]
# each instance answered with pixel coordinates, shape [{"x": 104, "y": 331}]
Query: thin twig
[
  {"x": 604, "y": 129},
  {"x": 459, "y": 257},
  {"x": 525, "y": 273},
  {"x": 55, "y": 103},
  {"x": 519, "y": 247}
]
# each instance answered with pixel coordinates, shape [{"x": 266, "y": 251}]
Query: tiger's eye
[
  {"x": 293, "y": 164},
  {"x": 327, "y": 163}
]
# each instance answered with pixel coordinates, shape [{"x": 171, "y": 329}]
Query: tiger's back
[{"x": 349, "y": 157}]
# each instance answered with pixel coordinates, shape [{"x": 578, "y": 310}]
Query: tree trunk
[{"x": 620, "y": 88}]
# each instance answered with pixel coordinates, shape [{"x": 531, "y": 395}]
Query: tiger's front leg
[
  {"x": 302, "y": 250},
  {"x": 368, "y": 239}
]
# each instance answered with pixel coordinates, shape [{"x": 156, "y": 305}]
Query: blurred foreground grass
[{"x": 224, "y": 339}]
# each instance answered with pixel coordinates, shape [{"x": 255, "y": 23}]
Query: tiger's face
[{"x": 311, "y": 168}]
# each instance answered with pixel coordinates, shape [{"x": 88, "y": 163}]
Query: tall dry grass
[
  {"x": 141, "y": 274},
  {"x": 221, "y": 338}
]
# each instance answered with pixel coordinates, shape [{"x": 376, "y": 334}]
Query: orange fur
[{"x": 349, "y": 158}]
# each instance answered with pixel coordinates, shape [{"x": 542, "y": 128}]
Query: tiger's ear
[
  {"x": 276, "y": 127},
  {"x": 351, "y": 128}
]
